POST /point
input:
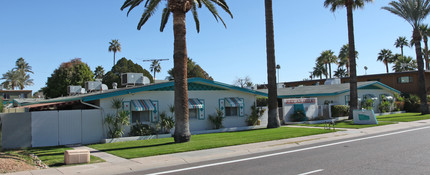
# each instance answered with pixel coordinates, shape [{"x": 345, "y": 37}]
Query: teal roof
[
  {"x": 194, "y": 84},
  {"x": 327, "y": 90}
]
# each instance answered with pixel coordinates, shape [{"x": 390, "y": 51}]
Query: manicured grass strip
[
  {"x": 144, "y": 148},
  {"x": 350, "y": 124},
  {"x": 54, "y": 156},
  {"x": 403, "y": 117}
]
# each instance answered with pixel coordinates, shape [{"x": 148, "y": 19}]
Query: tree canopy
[
  {"x": 74, "y": 72},
  {"x": 123, "y": 66},
  {"x": 193, "y": 70},
  {"x": 19, "y": 76}
]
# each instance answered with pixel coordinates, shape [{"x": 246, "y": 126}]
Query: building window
[
  {"x": 140, "y": 116},
  {"x": 403, "y": 80},
  {"x": 193, "y": 113},
  {"x": 231, "y": 111}
]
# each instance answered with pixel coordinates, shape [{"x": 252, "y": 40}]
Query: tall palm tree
[
  {"x": 11, "y": 79},
  {"x": 340, "y": 72},
  {"x": 327, "y": 57},
  {"x": 385, "y": 55},
  {"x": 179, "y": 9},
  {"x": 350, "y": 5},
  {"x": 21, "y": 70},
  {"x": 425, "y": 32},
  {"x": 114, "y": 46},
  {"x": 401, "y": 42},
  {"x": 319, "y": 70},
  {"x": 404, "y": 63},
  {"x": 22, "y": 66},
  {"x": 155, "y": 67},
  {"x": 344, "y": 57},
  {"x": 414, "y": 12},
  {"x": 273, "y": 119}
]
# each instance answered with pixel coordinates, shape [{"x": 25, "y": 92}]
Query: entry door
[{"x": 70, "y": 127}]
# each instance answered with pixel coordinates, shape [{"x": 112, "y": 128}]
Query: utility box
[
  {"x": 76, "y": 156},
  {"x": 93, "y": 86},
  {"x": 73, "y": 90},
  {"x": 134, "y": 79}
]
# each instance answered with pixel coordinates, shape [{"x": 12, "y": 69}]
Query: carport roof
[{"x": 327, "y": 90}]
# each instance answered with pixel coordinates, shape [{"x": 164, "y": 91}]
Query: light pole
[{"x": 278, "y": 67}]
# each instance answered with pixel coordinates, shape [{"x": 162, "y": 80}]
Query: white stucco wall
[{"x": 211, "y": 99}]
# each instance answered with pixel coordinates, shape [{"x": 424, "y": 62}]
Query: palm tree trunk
[
  {"x": 273, "y": 119},
  {"x": 421, "y": 77},
  {"x": 426, "y": 53},
  {"x": 386, "y": 65},
  {"x": 182, "y": 130},
  {"x": 114, "y": 58},
  {"x": 401, "y": 49},
  {"x": 353, "y": 74},
  {"x": 329, "y": 68}
]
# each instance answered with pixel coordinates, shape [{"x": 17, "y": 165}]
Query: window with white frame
[{"x": 404, "y": 80}]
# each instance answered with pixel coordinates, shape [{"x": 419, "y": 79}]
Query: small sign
[
  {"x": 364, "y": 117},
  {"x": 300, "y": 100}
]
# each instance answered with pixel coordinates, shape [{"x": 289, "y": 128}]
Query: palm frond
[
  {"x": 164, "y": 18},
  {"x": 132, "y": 4},
  {"x": 213, "y": 10},
  {"x": 149, "y": 11},
  {"x": 223, "y": 5},
  {"x": 196, "y": 17}
]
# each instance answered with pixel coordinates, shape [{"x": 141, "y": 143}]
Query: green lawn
[
  {"x": 403, "y": 117},
  {"x": 54, "y": 156},
  {"x": 144, "y": 148},
  {"x": 349, "y": 124}
]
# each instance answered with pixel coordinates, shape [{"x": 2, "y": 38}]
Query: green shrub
[
  {"x": 116, "y": 122},
  {"x": 140, "y": 129},
  {"x": 339, "y": 110},
  {"x": 367, "y": 104},
  {"x": 384, "y": 106},
  {"x": 166, "y": 123},
  {"x": 217, "y": 119},
  {"x": 412, "y": 104},
  {"x": 262, "y": 101},
  {"x": 255, "y": 115},
  {"x": 298, "y": 116}
]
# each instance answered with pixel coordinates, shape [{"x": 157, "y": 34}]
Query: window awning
[
  {"x": 142, "y": 105},
  {"x": 194, "y": 103},
  {"x": 233, "y": 102}
]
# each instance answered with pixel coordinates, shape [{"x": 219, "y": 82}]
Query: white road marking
[
  {"x": 310, "y": 172},
  {"x": 287, "y": 152}
]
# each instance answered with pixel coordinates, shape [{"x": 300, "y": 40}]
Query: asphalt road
[{"x": 404, "y": 152}]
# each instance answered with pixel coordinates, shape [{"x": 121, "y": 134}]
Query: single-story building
[
  {"x": 69, "y": 117},
  {"x": 318, "y": 96}
]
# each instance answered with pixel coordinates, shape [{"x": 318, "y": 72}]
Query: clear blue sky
[{"x": 48, "y": 32}]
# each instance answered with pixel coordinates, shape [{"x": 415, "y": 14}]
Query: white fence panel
[
  {"x": 70, "y": 127},
  {"x": 44, "y": 128},
  {"x": 92, "y": 126}
]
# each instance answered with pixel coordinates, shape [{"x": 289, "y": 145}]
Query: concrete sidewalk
[{"x": 115, "y": 165}]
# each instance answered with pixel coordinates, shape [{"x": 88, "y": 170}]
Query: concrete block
[{"x": 76, "y": 156}]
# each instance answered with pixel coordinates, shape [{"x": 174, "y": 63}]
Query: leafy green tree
[
  {"x": 114, "y": 46},
  {"x": 124, "y": 66},
  {"x": 350, "y": 5},
  {"x": 193, "y": 70},
  {"x": 401, "y": 42},
  {"x": 414, "y": 12},
  {"x": 404, "y": 63},
  {"x": 155, "y": 67},
  {"x": 327, "y": 57},
  {"x": 385, "y": 55},
  {"x": 74, "y": 72},
  {"x": 99, "y": 72},
  {"x": 179, "y": 9}
]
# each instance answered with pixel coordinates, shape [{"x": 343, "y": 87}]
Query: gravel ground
[{"x": 10, "y": 163}]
